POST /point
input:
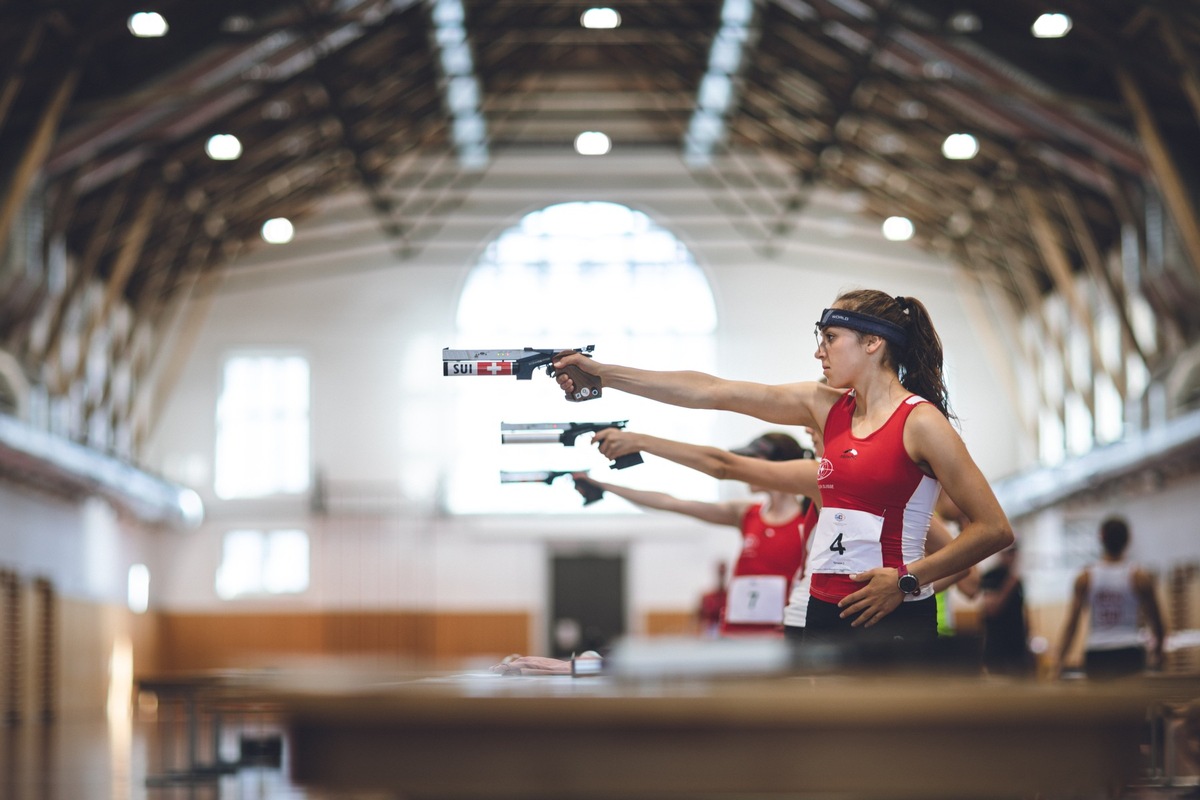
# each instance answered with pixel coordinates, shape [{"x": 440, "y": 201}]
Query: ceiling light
[
  {"x": 592, "y": 143},
  {"x": 1051, "y": 26},
  {"x": 462, "y": 94},
  {"x": 600, "y": 18},
  {"x": 960, "y": 146},
  {"x": 889, "y": 144},
  {"x": 277, "y": 231},
  {"x": 736, "y": 12},
  {"x": 223, "y": 147},
  {"x": 898, "y": 229},
  {"x": 147, "y": 25},
  {"x": 965, "y": 22},
  {"x": 716, "y": 92},
  {"x": 237, "y": 23},
  {"x": 912, "y": 109},
  {"x": 959, "y": 224}
]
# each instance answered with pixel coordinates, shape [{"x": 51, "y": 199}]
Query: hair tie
[{"x": 903, "y": 303}]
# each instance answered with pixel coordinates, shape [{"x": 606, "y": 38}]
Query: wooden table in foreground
[{"x": 491, "y": 737}]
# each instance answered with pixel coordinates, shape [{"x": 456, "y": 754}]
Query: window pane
[
  {"x": 258, "y": 562},
  {"x": 592, "y": 273},
  {"x": 1110, "y": 411},
  {"x": 241, "y": 564},
  {"x": 286, "y": 566},
  {"x": 263, "y": 427}
]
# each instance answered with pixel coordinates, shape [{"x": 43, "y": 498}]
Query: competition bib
[
  {"x": 756, "y": 599},
  {"x": 846, "y": 542}
]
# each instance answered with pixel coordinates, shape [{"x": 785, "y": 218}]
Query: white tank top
[{"x": 1114, "y": 606}]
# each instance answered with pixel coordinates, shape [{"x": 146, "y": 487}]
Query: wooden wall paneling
[
  {"x": 192, "y": 642},
  {"x": 47, "y": 654},
  {"x": 472, "y": 634},
  {"x": 11, "y": 648},
  {"x": 670, "y": 623},
  {"x": 1181, "y": 612}
]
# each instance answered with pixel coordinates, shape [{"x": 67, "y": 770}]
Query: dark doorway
[{"x": 587, "y": 608}]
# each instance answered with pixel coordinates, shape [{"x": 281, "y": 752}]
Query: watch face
[{"x": 909, "y": 584}]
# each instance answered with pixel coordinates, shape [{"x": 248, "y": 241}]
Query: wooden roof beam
[
  {"x": 1055, "y": 258},
  {"x": 1163, "y": 168},
  {"x": 38, "y": 146},
  {"x": 1094, "y": 261}
]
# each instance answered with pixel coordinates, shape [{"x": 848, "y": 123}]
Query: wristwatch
[{"x": 908, "y": 582}]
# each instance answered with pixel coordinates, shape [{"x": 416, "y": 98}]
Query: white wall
[
  {"x": 372, "y": 327},
  {"x": 84, "y": 548}
]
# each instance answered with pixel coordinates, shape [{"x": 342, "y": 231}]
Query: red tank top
[
  {"x": 768, "y": 550},
  {"x": 872, "y": 481}
]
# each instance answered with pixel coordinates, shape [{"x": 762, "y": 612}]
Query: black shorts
[
  {"x": 913, "y": 622},
  {"x": 1119, "y": 663},
  {"x": 905, "y": 639}
]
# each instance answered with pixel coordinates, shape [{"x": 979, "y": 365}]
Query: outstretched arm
[
  {"x": 795, "y": 477},
  {"x": 728, "y": 513},
  {"x": 805, "y": 403}
]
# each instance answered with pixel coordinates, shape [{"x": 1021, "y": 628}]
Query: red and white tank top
[
  {"x": 875, "y": 502},
  {"x": 762, "y": 576}
]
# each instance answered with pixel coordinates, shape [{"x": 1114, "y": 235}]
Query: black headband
[{"x": 864, "y": 323}]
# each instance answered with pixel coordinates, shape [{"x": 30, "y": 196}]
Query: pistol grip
[
  {"x": 590, "y": 491},
  {"x": 587, "y": 386},
  {"x": 627, "y": 460}
]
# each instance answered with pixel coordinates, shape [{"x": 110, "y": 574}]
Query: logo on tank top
[
  {"x": 849, "y": 452},
  {"x": 824, "y": 469}
]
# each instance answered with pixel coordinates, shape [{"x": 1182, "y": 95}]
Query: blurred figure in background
[
  {"x": 1005, "y": 626},
  {"x": 712, "y": 605},
  {"x": 1119, "y": 596}
]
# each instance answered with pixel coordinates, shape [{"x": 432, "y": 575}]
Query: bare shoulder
[
  {"x": 1142, "y": 578},
  {"x": 927, "y": 417},
  {"x": 821, "y": 397},
  {"x": 928, "y": 434},
  {"x": 1082, "y": 581}
]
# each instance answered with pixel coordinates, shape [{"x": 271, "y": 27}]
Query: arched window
[{"x": 571, "y": 275}]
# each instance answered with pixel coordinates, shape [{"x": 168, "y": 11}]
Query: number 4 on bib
[{"x": 837, "y": 547}]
